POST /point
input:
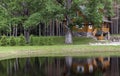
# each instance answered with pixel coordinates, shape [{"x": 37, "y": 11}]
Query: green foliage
[
  {"x": 33, "y": 20},
  {"x": 57, "y": 40},
  {"x": 45, "y": 41},
  {"x": 3, "y": 41},
  {"x": 30, "y": 13},
  {"x": 22, "y": 40},
  {"x": 78, "y": 21},
  {"x": 49, "y": 41},
  {"x": 12, "y": 41},
  {"x": 41, "y": 40},
  {"x": 31, "y": 40}
]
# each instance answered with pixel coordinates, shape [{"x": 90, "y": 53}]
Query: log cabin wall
[
  {"x": 119, "y": 21},
  {"x": 115, "y": 25}
]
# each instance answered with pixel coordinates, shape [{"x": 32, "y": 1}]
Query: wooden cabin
[
  {"x": 85, "y": 26},
  {"x": 103, "y": 31},
  {"x": 89, "y": 28}
]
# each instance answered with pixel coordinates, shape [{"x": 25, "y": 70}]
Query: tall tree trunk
[
  {"x": 68, "y": 35},
  {"x": 63, "y": 26},
  {"x": 50, "y": 28},
  {"x": 39, "y": 29},
  {"x": 10, "y": 30},
  {"x": 58, "y": 28},
  {"x": 16, "y": 30},
  {"x": 27, "y": 35},
  {"x": 53, "y": 28},
  {"x": 13, "y": 31},
  {"x": 45, "y": 29}
]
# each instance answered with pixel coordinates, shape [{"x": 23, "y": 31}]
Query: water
[{"x": 60, "y": 66}]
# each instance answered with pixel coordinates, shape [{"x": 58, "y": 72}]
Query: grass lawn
[{"x": 58, "y": 50}]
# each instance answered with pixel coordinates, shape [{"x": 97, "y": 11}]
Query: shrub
[
  {"x": 22, "y": 40},
  {"x": 42, "y": 41},
  {"x": 3, "y": 41},
  {"x": 49, "y": 40},
  {"x": 12, "y": 41},
  {"x": 31, "y": 40},
  {"x": 45, "y": 41}
]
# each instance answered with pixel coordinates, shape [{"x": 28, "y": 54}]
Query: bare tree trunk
[
  {"x": 46, "y": 29},
  {"x": 27, "y": 35},
  {"x": 50, "y": 31},
  {"x": 13, "y": 31},
  {"x": 44, "y": 33},
  {"x": 63, "y": 28},
  {"x": 16, "y": 30},
  {"x": 53, "y": 28},
  {"x": 68, "y": 36},
  {"x": 58, "y": 28},
  {"x": 10, "y": 30},
  {"x": 39, "y": 29}
]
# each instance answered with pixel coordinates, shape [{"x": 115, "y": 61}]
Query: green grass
[
  {"x": 79, "y": 48},
  {"x": 58, "y": 50},
  {"x": 59, "y": 40},
  {"x": 82, "y": 40}
]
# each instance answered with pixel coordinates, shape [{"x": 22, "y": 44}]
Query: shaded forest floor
[{"x": 58, "y": 50}]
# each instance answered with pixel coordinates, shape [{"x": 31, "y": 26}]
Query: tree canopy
[{"x": 30, "y": 13}]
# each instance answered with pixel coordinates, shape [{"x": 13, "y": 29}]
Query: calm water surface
[{"x": 61, "y": 66}]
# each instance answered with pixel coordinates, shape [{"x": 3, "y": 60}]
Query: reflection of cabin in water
[{"x": 87, "y": 66}]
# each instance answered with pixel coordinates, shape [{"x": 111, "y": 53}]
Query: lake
[{"x": 61, "y": 66}]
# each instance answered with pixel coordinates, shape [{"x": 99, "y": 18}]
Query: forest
[{"x": 50, "y": 17}]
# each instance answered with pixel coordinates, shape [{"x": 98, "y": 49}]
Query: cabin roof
[{"x": 104, "y": 20}]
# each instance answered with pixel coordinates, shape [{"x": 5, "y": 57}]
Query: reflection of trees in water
[
  {"x": 29, "y": 67},
  {"x": 46, "y": 67},
  {"x": 54, "y": 67},
  {"x": 115, "y": 66}
]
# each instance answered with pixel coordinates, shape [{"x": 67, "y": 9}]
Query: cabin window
[{"x": 90, "y": 26}]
